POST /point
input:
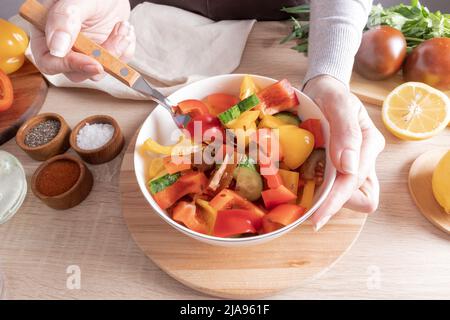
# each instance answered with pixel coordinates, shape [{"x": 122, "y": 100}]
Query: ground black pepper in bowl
[{"x": 42, "y": 133}]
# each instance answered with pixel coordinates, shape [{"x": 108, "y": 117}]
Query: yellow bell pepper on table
[{"x": 13, "y": 43}]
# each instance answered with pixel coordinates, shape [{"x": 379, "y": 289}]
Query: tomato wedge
[
  {"x": 193, "y": 107},
  {"x": 6, "y": 92},
  {"x": 219, "y": 102},
  {"x": 314, "y": 126}
]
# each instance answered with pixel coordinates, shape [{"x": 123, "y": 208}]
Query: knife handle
[{"x": 36, "y": 14}]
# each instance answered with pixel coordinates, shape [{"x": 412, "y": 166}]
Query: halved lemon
[{"x": 416, "y": 111}]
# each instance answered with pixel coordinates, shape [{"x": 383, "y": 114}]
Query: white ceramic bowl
[{"x": 160, "y": 127}]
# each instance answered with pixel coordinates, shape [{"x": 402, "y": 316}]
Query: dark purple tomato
[
  {"x": 381, "y": 53},
  {"x": 429, "y": 62}
]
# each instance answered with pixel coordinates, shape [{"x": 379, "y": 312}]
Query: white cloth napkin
[{"x": 174, "y": 47}]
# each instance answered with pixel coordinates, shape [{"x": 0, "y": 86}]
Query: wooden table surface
[{"x": 398, "y": 255}]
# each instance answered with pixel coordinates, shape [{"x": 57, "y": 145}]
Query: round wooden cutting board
[
  {"x": 419, "y": 182},
  {"x": 30, "y": 90},
  {"x": 246, "y": 272}
]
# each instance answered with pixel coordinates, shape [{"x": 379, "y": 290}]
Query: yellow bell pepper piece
[
  {"x": 209, "y": 213},
  {"x": 182, "y": 147},
  {"x": 156, "y": 166},
  {"x": 296, "y": 143},
  {"x": 244, "y": 120},
  {"x": 13, "y": 43},
  {"x": 290, "y": 179},
  {"x": 308, "y": 194},
  {"x": 271, "y": 122},
  {"x": 248, "y": 87}
]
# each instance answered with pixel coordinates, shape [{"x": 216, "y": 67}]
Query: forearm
[{"x": 335, "y": 35}]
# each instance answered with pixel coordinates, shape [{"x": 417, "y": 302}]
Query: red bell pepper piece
[
  {"x": 271, "y": 174},
  {"x": 228, "y": 199},
  {"x": 269, "y": 226},
  {"x": 278, "y": 97},
  {"x": 239, "y": 217},
  {"x": 192, "y": 182},
  {"x": 232, "y": 224},
  {"x": 186, "y": 213},
  {"x": 219, "y": 102},
  {"x": 172, "y": 166},
  {"x": 193, "y": 107},
  {"x": 275, "y": 197},
  {"x": 285, "y": 214},
  {"x": 314, "y": 126}
]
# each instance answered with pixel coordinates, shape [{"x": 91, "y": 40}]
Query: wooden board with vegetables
[
  {"x": 22, "y": 88},
  {"x": 29, "y": 90},
  {"x": 401, "y": 43},
  {"x": 247, "y": 272}
]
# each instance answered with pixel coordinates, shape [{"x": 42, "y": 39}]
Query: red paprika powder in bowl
[{"x": 62, "y": 182}]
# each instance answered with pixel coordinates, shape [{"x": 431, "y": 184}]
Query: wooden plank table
[{"x": 398, "y": 255}]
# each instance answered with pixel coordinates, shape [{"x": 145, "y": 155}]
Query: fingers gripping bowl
[{"x": 159, "y": 127}]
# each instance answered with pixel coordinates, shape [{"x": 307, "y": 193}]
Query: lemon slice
[{"x": 416, "y": 111}]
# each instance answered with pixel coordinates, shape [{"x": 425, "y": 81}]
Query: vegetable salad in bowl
[{"x": 247, "y": 164}]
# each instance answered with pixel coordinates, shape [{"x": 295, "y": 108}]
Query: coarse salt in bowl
[
  {"x": 93, "y": 136},
  {"x": 160, "y": 127}
]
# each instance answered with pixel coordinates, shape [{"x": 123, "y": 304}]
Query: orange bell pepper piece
[{"x": 192, "y": 182}]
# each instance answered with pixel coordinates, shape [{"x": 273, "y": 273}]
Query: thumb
[
  {"x": 64, "y": 21},
  {"x": 345, "y": 138}
]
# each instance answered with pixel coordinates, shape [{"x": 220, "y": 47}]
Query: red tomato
[
  {"x": 314, "y": 126},
  {"x": 429, "y": 62},
  {"x": 278, "y": 97},
  {"x": 193, "y": 107},
  {"x": 285, "y": 214},
  {"x": 275, "y": 197},
  {"x": 219, "y": 102},
  {"x": 204, "y": 122},
  {"x": 6, "y": 92}
]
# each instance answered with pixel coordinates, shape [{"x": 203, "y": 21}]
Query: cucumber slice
[
  {"x": 249, "y": 183},
  {"x": 229, "y": 115},
  {"x": 235, "y": 111},
  {"x": 248, "y": 103},
  {"x": 288, "y": 118},
  {"x": 163, "y": 182},
  {"x": 247, "y": 162}
]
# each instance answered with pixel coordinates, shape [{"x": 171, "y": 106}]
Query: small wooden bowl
[
  {"x": 72, "y": 197},
  {"x": 104, "y": 153},
  {"x": 57, "y": 145}
]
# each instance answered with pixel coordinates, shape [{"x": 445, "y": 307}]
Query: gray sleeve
[{"x": 335, "y": 34}]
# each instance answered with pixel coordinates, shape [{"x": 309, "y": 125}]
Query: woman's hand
[
  {"x": 355, "y": 144},
  {"x": 104, "y": 21}
]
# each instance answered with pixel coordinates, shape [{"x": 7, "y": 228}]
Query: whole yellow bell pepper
[{"x": 13, "y": 43}]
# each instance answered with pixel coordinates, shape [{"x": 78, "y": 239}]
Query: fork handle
[{"x": 36, "y": 14}]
